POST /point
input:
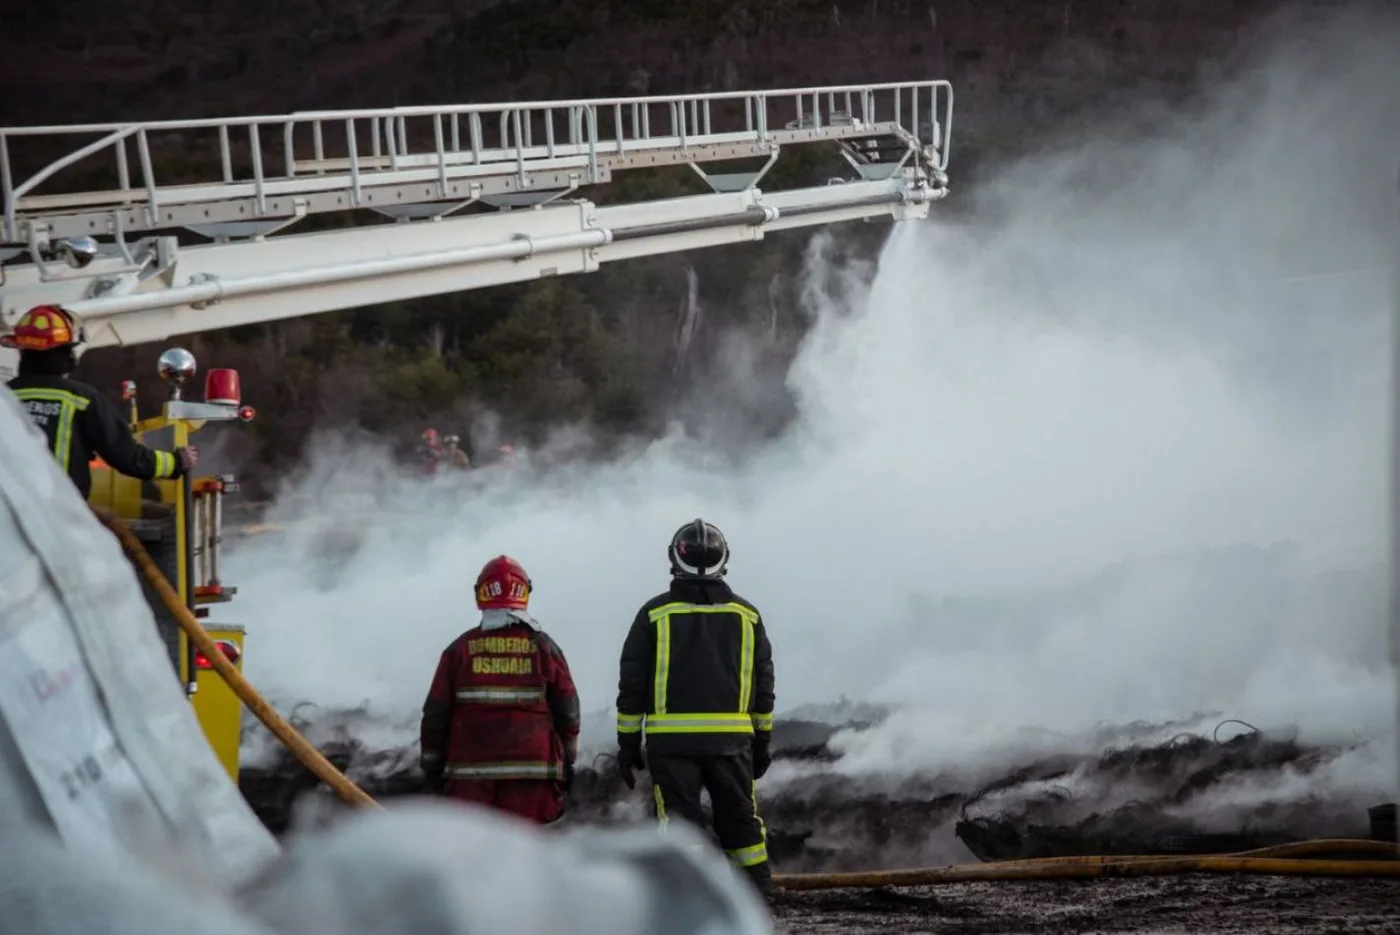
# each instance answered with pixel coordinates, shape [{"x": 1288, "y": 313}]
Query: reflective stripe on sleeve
[
  {"x": 166, "y": 464},
  {"x": 762, "y": 721},
  {"x": 629, "y": 723}
]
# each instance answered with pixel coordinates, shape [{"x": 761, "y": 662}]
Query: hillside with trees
[{"x": 604, "y": 349}]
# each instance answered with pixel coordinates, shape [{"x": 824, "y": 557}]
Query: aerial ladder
[{"x": 148, "y": 230}]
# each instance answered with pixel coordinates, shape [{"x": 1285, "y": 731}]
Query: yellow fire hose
[
  {"x": 300, "y": 747},
  {"x": 1285, "y": 859},
  {"x": 1294, "y": 849}
]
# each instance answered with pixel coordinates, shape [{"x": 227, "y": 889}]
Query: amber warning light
[{"x": 226, "y": 647}]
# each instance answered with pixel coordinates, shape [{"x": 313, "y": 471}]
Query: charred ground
[
  {"x": 1221, "y": 905},
  {"x": 819, "y": 820},
  {"x": 1128, "y": 795}
]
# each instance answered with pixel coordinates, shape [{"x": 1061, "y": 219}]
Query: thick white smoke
[{"x": 1111, "y": 444}]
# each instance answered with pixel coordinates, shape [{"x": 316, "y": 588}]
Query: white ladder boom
[{"x": 131, "y": 280}]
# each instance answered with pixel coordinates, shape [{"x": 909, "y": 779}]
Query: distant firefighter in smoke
[
  {"x": 429, "y": 452},
  {"x": 697, "y": 679},
  {"x": 453, "y": 454},
  {"x": 501, "y": 721}
]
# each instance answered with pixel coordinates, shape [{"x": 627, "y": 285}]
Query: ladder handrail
[
  {"x": 116, "y": 136},
  {"x": 203, "y": 123}
]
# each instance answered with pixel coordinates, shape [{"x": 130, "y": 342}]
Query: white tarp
[{"x": 75, "y": 619}]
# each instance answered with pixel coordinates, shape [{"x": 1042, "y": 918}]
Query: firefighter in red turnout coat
[{"x": 500, "y": 725}]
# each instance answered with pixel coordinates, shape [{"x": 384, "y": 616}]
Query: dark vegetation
[{"x": 601, "y": 349}]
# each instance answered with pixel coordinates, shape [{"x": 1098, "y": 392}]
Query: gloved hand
[
  {"x": 762, "y": 758},
  {"x": 629, "y": 758},
  {"x": 568, "y": 777},
  {"x": 188, "y": 458}
]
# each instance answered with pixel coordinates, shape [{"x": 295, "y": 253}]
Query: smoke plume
[{"x": 1106, "y": 443}]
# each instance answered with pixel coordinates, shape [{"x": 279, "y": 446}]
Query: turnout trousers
[
  {"x": 676, "y": 785},
  {"x": 537, "y": 800}
]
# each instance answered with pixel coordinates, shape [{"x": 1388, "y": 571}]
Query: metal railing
[{"x": 246, "y": 168}]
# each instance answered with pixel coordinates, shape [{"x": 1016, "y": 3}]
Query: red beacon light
[
  {"x": 221, "y": 387},
  {"x": 246, "y": 413},
  {"x": 226, "y": 647}
]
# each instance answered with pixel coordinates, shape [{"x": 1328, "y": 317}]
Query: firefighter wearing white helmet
[{"x": 697, "y": 680}]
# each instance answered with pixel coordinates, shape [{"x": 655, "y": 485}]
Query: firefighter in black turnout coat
[
  {"x": 697, "y": 679},
  {"x": 78, "y": 421}
]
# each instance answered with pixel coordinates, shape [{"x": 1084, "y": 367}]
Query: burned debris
[{"x": 1140, "y": 797}]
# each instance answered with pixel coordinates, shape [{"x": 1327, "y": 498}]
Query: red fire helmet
[
  {"x": 503, "y": 583},
  {"x": 44, "y": 328}
]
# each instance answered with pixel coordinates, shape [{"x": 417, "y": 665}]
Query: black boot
[{"x": 761, "y": 875}]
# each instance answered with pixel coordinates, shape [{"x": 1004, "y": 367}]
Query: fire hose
[
  {"x": 1283, "y": 860},
  {"x": 280, "y": 727}
]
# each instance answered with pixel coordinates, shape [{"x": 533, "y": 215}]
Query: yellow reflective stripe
[
  {"x": 660, "y": 804},
  {"x": 681, "y": 607},
  {"x": 661, "y": 616},
  {"x": 629, "y": 723},
  {"x": 762, "y": 827},
  {"x": 663, "y": 663},
  {"x": 745, "y": 663},
  {"x": 44, "y": 394},
  {"x": 69, "y": 404},
  {"x": 166, "y": 464},
  {"x": 750, "y": 856},
  {"x": 63, "y": 438},
  {"x": 703, "y": 717},
  {"x": 762, "y": 721},
  {"x": 708, "y": 723}
]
